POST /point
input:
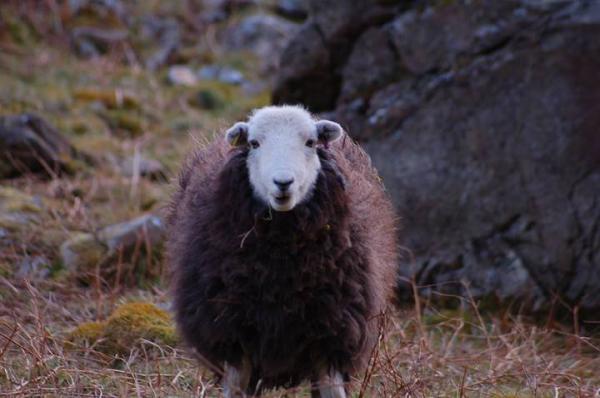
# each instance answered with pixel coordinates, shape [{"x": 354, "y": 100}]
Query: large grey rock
[
  {"x": 29, "y": 144},
  {"x": 482, "y": 119},
  {"x": 311, "y": 65},
  {"x": 262, "y": 34},
  {"x": 370, "y": 66},
  {"x": 295, "y": 9}
]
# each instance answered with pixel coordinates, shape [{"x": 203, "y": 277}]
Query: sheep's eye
[
  {"x": 310, "y": 143},
  {"x": 254, "y": 144}
]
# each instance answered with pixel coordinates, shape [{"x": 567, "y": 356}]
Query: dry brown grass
[{"x": 454, "y": 353}]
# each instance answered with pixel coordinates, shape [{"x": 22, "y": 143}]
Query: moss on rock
[
  {"x": 112, "y": 99},
  {"x": 206, "y": 99},
  {"x": 88, "y": 333},
  {"x": 12, "y": 200},
  {"x": 124, "y": 123},
  {"x": 126, "y": 328},
  {"x": 134, "y": 321},
  {"x": 18, "y": 211}
]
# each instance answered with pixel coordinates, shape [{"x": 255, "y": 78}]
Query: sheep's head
[{"x": 283, "y": 164}]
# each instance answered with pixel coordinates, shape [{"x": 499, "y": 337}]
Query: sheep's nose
[{"x": 283, "y": 184}]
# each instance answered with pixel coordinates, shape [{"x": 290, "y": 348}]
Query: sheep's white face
[{"x": 283, "y": 164}]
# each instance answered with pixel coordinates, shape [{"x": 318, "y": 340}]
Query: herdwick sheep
[{"x": 283, "y": 249}]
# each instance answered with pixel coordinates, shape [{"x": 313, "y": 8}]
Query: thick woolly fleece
[{"x": 292, "y": 291}]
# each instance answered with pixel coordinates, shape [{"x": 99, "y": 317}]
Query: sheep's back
[
  {"x": 372, "y": 213},
  {"x": 199, "y": 169}
]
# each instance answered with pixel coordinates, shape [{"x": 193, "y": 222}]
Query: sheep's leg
[
  {"x": 236, "y": 379},
  {"x": 330, "y": 384}
]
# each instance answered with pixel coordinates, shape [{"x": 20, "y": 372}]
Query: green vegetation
[{"x": 127, "y": 327}]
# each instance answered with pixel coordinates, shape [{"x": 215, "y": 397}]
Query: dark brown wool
[{"x": 290, "y": 290}]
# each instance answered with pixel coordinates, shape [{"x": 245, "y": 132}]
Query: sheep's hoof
[
  {"x": 236, "y": 379},
  {"x": 330, "y": 385}
]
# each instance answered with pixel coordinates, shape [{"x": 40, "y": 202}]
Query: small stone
[
  {"x": 223, "y": 74},
  {"x": 15, "y": 221},
  {"x": 150, "y": 168},
  {"x": 36, "y": 267},
  {"x": 85, "y": 250},
  {"x": 29, "y": 144},
  {"x": 17, "y": 209},
  {"x": 181, "y": 75},
  {"x": 209, "y": 72},
  {"x": 82, "y": 252},
  {"x": 89, "y": 41},
  {"x": 206, "y": 99},
  {"x": 231, "y": 76},
  {"x": 123, "y": 236}
]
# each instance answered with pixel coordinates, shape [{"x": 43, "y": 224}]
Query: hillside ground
[{"x": 424, "y": 352}]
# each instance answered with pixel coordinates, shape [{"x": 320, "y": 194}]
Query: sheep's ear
[
  {"x": 328, "y": 131},
  {"x": 237, "y": 135}
]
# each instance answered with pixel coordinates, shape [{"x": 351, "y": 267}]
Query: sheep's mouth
[{"x": 282, "y": 199}]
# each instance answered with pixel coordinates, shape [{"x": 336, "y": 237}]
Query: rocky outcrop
[
  {"x": 482, "y": 119},
  {"x": 310, "y": 66},
  {"x": 263, "y": 35},
  {"x": 29, "y": 144},
  {"x": 115, "y": 249}
]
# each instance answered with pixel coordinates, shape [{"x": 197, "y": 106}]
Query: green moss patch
[
  {"x": 112, "y": 99},
  {"x": 126, "y": 328},
  {"x": 12, "y": 200},
  {"x": 123, "y": 123}
]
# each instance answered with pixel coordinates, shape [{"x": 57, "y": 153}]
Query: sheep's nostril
[{"x": 283, "y": 185}]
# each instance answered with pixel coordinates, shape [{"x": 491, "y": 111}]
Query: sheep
[{"x": 282, "y": 243}]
